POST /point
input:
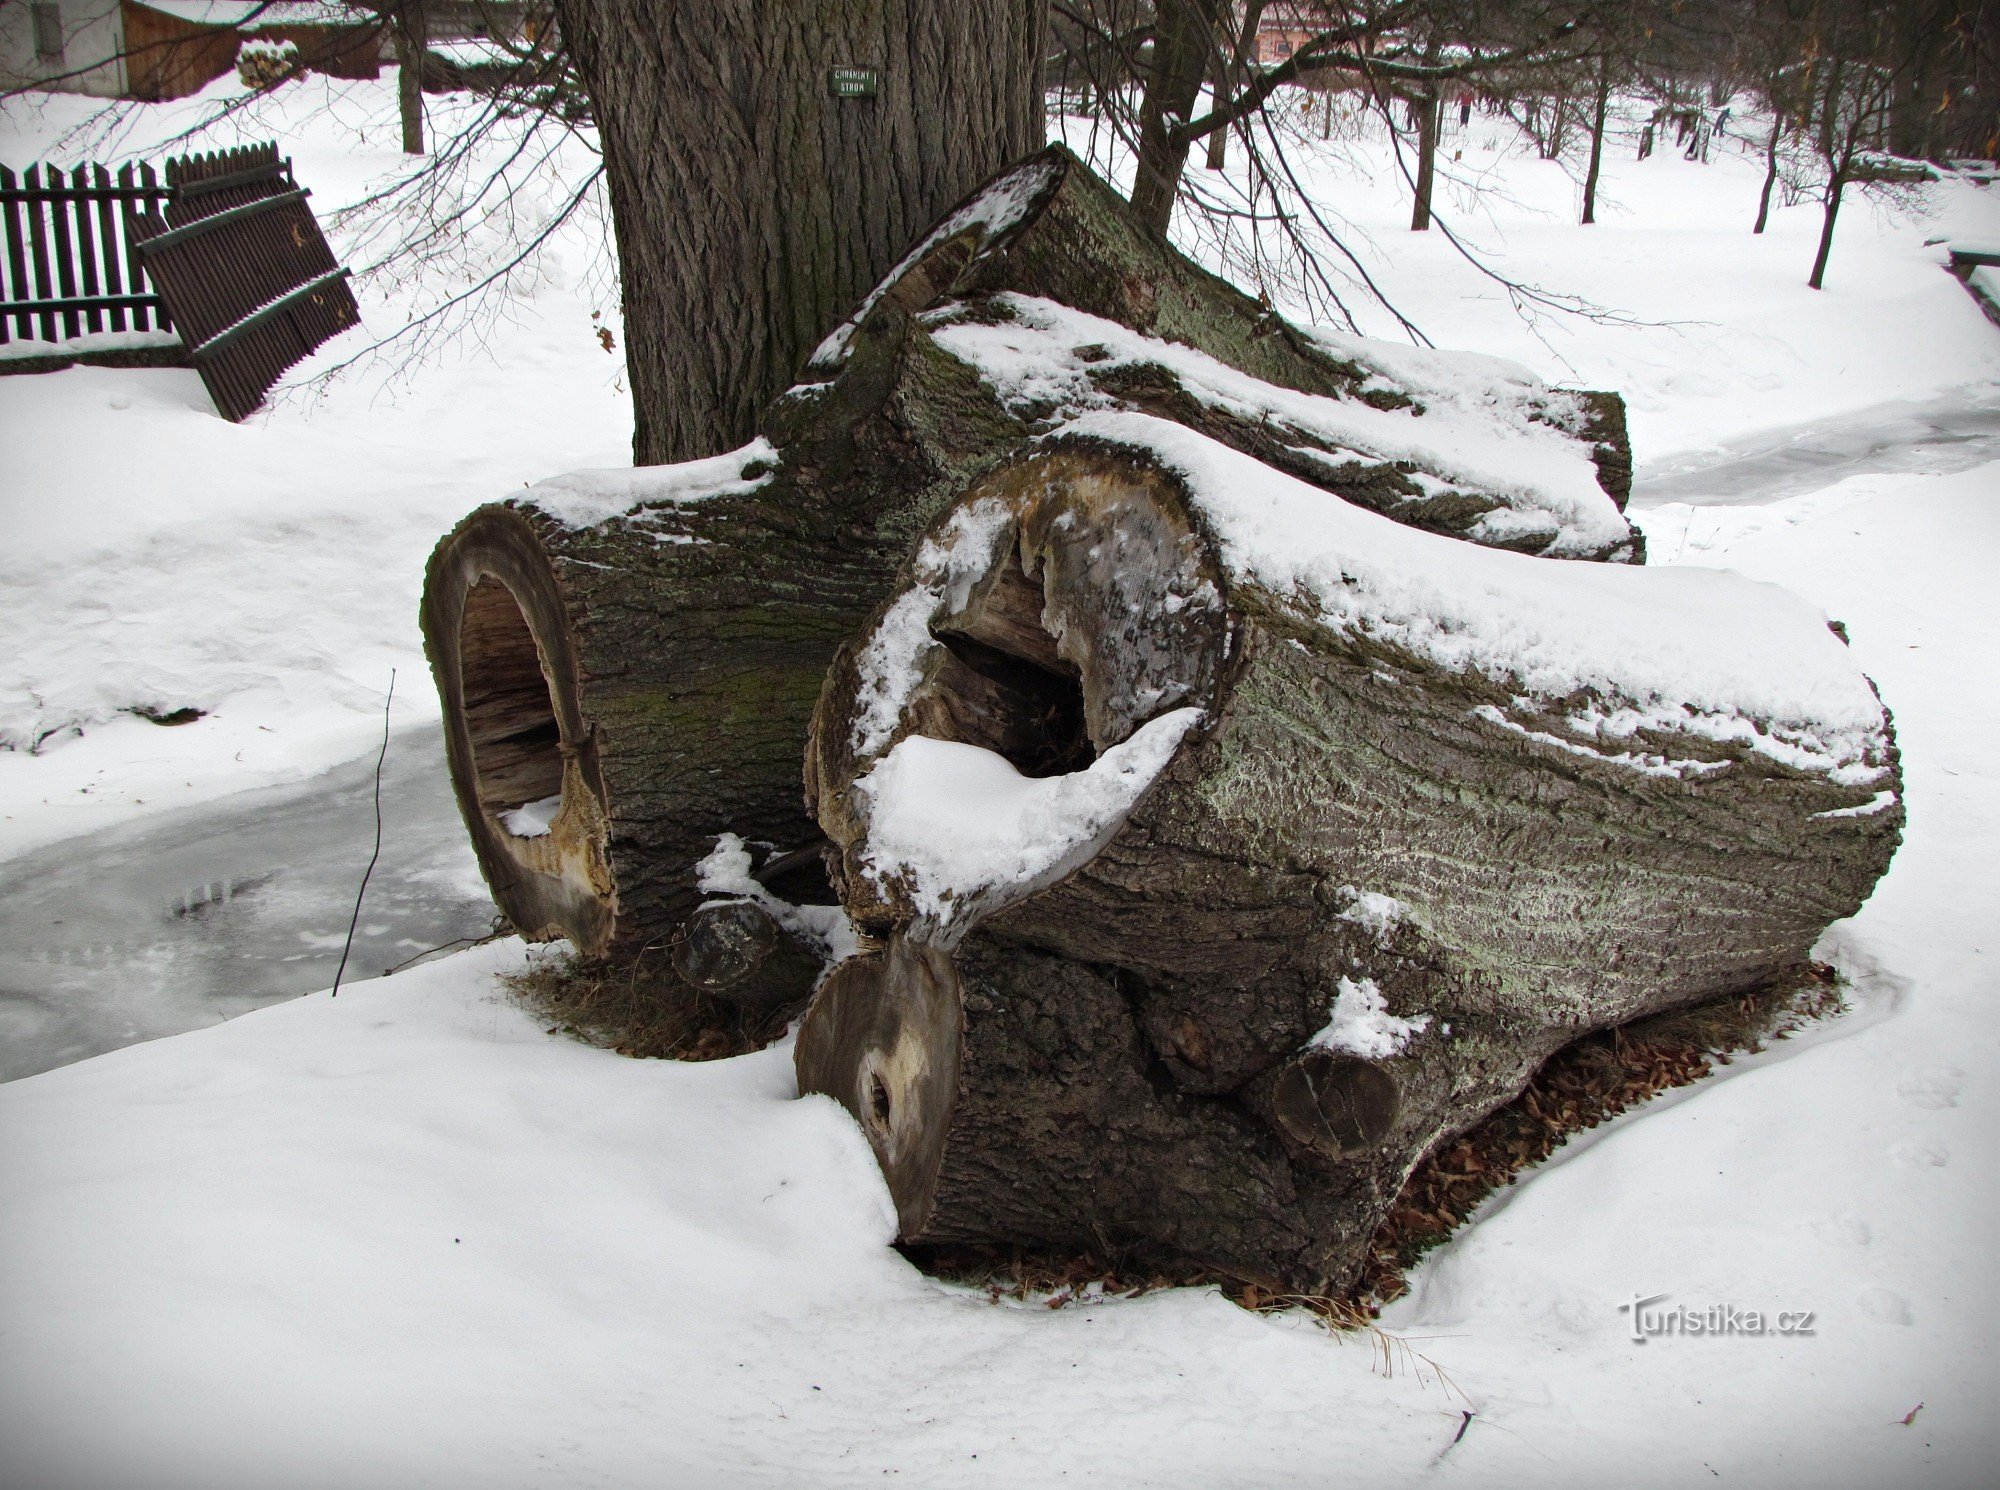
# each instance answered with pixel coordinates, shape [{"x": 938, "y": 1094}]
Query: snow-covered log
[
  {"x": 1073, "y": 304},
  {"x": 1227, "y": 846},
  {"x": 628, "y": 660}
]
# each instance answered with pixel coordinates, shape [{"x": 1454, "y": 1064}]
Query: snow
[
  {"x": 889, "y": 664},
  {"x": 532, "y": 819},
  {"x": 1360, "y": 1023},
  {"x": 408, "y": 1237},
  {"x": 1985, "y": 282},
  {"x": 90, "y": 341},
  {"x": 1681, "y": 650},
  {"x": 257, "y": 15},
  {"x": 585, "y": 499},
  {"x": 725, "y": 872},
  {"x": 1474, "y": 427},
  {"x": 954, "y": 822},
  {"x": 1375, "y": 913},
  {"x": 1709, "y": 332},
  {"x": 266, "y": 572}
]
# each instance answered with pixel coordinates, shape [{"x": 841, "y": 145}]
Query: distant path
[
  {"x": 1953, "y": 433},
  {"x": 181, "y": 921}
]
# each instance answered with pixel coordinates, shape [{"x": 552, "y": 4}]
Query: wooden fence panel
[
  {"x": 241, "y": 260},
  {"x": 225, "y": 250},
  {"x": 69, "y": 264}
]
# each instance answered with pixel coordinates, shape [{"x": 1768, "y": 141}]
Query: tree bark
[
  {"x": 1425, "y": 107},
  {"x": 1185, "y": 40},
  {"x": 1770, "y": 173},
  {"x": 1834, "y": 189},
  {"x": 1121, "y": 1054},
  {"x": 1600, "y": 106},
  {"x": 656, "y": 671},
  {"x": 1921, "y": 28},
  {"x": 1229, "y": 77},
  {"x": 410, "y": 30},
  {"x": 752, "y": 207}
]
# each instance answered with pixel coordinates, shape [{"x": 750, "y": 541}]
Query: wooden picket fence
[
  {"x": 239, "y": 256},
  {"x": 71, "y": 267},
  {"x": 226, "y": 252}
]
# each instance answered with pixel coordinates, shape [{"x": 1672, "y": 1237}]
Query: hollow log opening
[
  {"x": 799, "y": 876},
  {"x": 1004, "y": 688},
  {"x": 510, "y": 719},
  {"x": 932, "y": 277}
]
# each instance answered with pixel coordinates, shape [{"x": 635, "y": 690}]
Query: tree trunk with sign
[{"x": 753, "y": 205}]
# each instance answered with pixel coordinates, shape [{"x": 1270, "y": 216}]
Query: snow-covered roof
[{"x": 257, "y": 15}]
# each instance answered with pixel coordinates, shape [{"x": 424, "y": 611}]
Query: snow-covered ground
[
  {"x": 267, "y": 572},
  {"x": 405, "y": 1237}
]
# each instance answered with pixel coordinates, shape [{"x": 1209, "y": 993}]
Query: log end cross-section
[{"x": 521, "y": 757}]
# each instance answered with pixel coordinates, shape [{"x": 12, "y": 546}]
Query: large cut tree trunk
[
  {"x": 639, "y": 652},
  {"x": 752, "y": 205},
  {"x": 1327, "y": 833}
]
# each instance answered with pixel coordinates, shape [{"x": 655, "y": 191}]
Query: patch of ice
[
  {"x": 583, "y": 499},
  {"x": 532, "y": 819},
  {"x": 1362, "y": 1025},
  {"x": 952, "y": 820}
]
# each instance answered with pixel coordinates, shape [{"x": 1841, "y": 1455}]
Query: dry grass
[
  {"x": 1579, "y": 1087},
  {"x": 640, "y": 1009}
]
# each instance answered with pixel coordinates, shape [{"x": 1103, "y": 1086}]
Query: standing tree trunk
[
  {"x": 1601, "y": 106},
  {"x": 1839, "y": 134},
  {"x": 1184, "y": 40},
  {"x": 1425, "y": 107},
  {"x": 1229, "y": 75},
  {"x": 752, "y": 206},
  {"x": 1834, "y": 188},
  {"x": 1920, "y": 35},
  {"x": 410, "y": 28},
  {"x": 1770, "y": 172}
]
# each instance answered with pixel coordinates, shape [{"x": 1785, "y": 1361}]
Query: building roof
[{"x": 257, "y": 15}]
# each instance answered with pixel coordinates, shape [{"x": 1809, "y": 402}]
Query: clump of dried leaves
[{"x": 624, "y": 1008}]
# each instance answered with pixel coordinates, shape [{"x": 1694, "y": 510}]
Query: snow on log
[
  {"x": 1064, "y": 301},
  {"x": 1224, "y": 846},
  {"x": 628, "y": 660}
]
